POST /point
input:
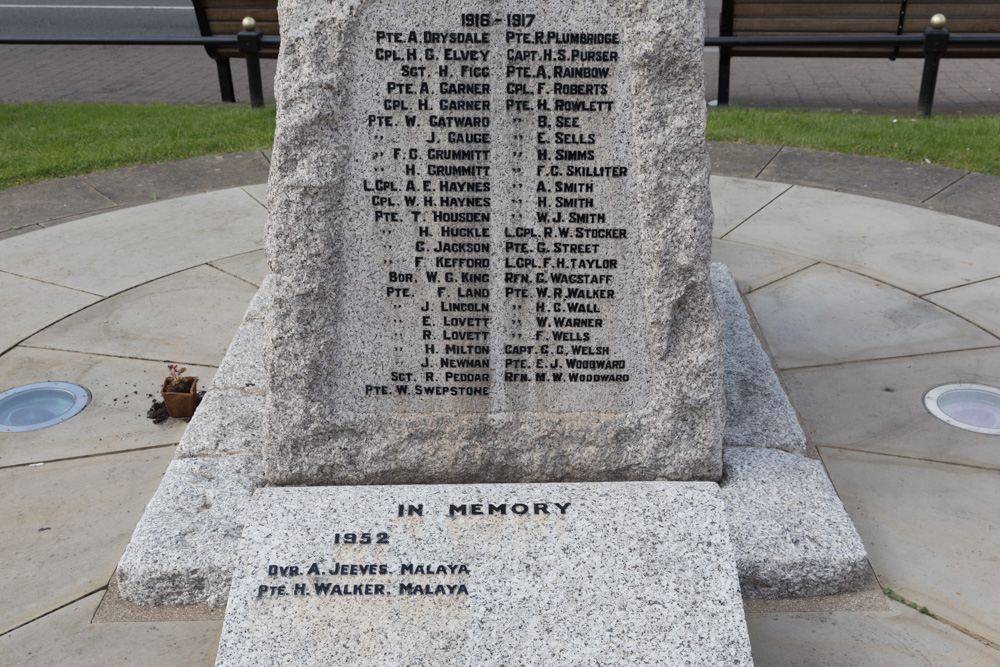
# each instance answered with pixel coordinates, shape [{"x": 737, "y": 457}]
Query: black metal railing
[{"x": 934, "y": 41}]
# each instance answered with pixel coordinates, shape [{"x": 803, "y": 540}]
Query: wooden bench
[
  {"x": 225, "y": 17},
  {"x": 806, "y": 18}
]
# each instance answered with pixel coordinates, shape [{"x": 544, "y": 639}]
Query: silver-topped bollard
[
  {"x": 935, "y": 44},
  {"x": 248, "y": 41}
]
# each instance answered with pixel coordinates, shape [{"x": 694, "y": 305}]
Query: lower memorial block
[{"x": 501, "y": 574}]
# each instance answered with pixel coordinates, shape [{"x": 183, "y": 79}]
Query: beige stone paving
[
  {"x": 250, "y": 266},
  {"x": 914, "y": 249},
  {"x": 37, "y": 304},
  {"x": 901, "y": 637},
  {"x": 754, "y": 267},
  {"x": 65, "y": 526},
  {"x": 932, "y": 531},
  {"x": 824, "y": 315},
  {"x": 115, "y": 251},
  {"x": 114, "y": 421},
  {"x": 878, "y": 406},
  {"x": 67, "y": 637},
  {"x": 736, "y": 199},
  {"x": 978, "y": 303},
  {"x": 188, "y": 317}
]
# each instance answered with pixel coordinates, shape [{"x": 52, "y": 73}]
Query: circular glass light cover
[
  {"x": 973, "y": 407},
  {"x": 34, "y": 406}
]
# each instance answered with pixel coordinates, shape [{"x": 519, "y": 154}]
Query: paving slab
[
  {"x": 49, "y": 200},
  {"x": 114, "y": 421},
  {"x": 754, "y": 267},
  {"x": 65, "y": 524},
  {"x": 976, "y": 302},
  {"x": 825, "y": 315},
  {"x": 736, "y": 199},
  {"x": 875, "y": 177},
  {"x": 902, "y": 637},
  {"x": 36, "y": 305},
  {"x": 258, "y": 192},
  {"x": 166, "y": 180},
  {"x": 975, "y": 196},
  {"x": 914, "y": 249},
  {"x": 67, "y": 637},
  {"x": 742, "y": 160},
  {"x": 19, "y": 231},
  {"x": 931, "y": 529},
  {"x": 110, "y": 252},
  {"x": 249, "y": 266},
  {"x": 189, "y": 317},
  {"x": 878, "y": 406}
]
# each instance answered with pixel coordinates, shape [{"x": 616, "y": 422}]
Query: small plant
[
  {"x": 179, "y": 392},
  {"x": 153, "y": 197},
  {"x": 177, "y": 382},
  {"x": 893, "y": 595}
]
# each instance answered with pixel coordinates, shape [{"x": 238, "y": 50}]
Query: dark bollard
[
  {"x": 248, "y": 41},
  {"x": 935, "y": 44}
]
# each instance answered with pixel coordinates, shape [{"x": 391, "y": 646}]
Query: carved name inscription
[
  {"x": 498, "y": 258},
  {"x": 378, "y": 579}
]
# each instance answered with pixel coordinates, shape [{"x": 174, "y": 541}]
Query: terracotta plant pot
[{"x": 180, "y": 404}]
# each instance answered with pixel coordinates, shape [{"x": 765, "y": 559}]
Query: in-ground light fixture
[
  {"x": 973, "y": 407},
  {"x": 34, "y": 406}
]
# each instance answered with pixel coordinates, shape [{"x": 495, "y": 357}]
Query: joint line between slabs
[
  {"x": 763, "y": 206},
  {"x": 776, "y": 154},
  {"x": 905, "y": 458},
  {"x": 963, "y": 318},
  {"x": 777, "y": 280},
  {"x": 232, "y": 275},
  {"x": 795, "y": 369},
  {"x": 91, "y": 456},
  {"x": 118, "y": 356},
  {"x": 955, "y": 287},
  {"x": 47, "y": 282},
  {"x": 960, "y": 178},
  {"x": 52, "y": 611}
]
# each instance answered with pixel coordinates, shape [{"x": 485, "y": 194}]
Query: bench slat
[
  {"x": 746, "y": 27},
  {"x": 814, "y": 26},
  {"x": 214, "y": 15},
  {"x": 233, "y": 27},
  {"x": 824, "y": 9},
  {"x": 255, "y": 4}
]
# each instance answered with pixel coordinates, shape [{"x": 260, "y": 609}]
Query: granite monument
[{"x": 489, "y": 243}]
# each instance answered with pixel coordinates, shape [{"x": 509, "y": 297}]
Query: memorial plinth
[
  {"x": 489, "y": 237},
  {"x": 518, "y": 574}
]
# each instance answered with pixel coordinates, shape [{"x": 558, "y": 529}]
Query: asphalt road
[{"x": 97, "y": 18}]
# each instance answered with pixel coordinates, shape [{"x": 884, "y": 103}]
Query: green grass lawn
[
  {"x": 40, "y": 141},
  {"x": 961, "y": 142}
]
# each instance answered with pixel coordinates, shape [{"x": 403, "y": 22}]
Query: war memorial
[{"x": 493, "y": 404}]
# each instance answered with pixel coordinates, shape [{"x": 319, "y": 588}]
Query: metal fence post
[
  {"x": 935, "y": 44},
  {"x": 248, "y": 41}
]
